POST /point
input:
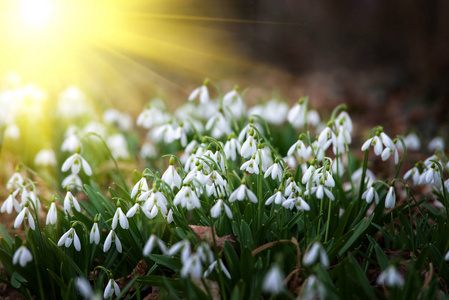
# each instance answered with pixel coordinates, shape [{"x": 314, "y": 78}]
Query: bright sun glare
[
  {"x": 36, "y": 13},
  {"x": 52, "y": 41}
]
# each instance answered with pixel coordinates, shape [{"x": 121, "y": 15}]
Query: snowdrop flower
[
  {"x": 357, "y": 178},
  {"x": 314, "y": 253},
  {"x": 187, "y": 198},
  {"x": 291, "y": 187},
  {"x": 45, "y": 158},
  {"x": 95, "y": 234},
  {"x": 308, "y": 174},
  {"x": 167, "y": 132},
  {"x": 169, "y": 216},
  {"x": 318, "y": 151},
  {"x": 182, "y": 130},
  {"x": 390, "y": 277},
  {"x": 171, "y": 176},
  {"x": 371, "y": 194},
  {"x": 300, "y": 148},
  {"x": 338, "y": 163},
  {"x": 52, "y": 215},
  {"x": 70, "y": 143},
  {"x": 386, "y": 140},
  {"x": 217, "y": 208},
  {"x": 249, "y": 147},
  {"x": 251, "y": 166},
  {"x": 263, "y": 156},
  {"x": 154, "y": 200},
  {"x": 183, "y": 246},
  {"x": 12, "y": 131},
  {"x": 192, "y": 266},
  {"x": 112, "y": 237},
  {"x": 133, "y": 210},
  {"x": 232, "y": 148},
  {"x": 214, "y": 265},
  {"x": 386, "y": 153},
  {"x": 85, "y": 289},
  {"x": 118, "y": 145},
  {"x": 326, "y": 138},
  {"x": 278, "y": 198},
  {"x": 140, "y": 186},
  {"x": 431, "y": 160},
  {"x": 436, "y": 143},
  {"x": 11, "y": 203},
  {"x": 313, "y": 289},
  {"x": 431, "y": 176},
  {"x": 313, "y": 118},
  {"x": 198, "y": 173},
  {"x": 74, "y": 162},
  {"x": 119, "y": 216},
  {"x": 290, "y": 161},
  {"x": 297, "y": 114},
  {"x": 273, "y": 280},
  {"x": 320, "y": 190},
  {"x": 32, "y": 197},
  {"x": 95, "y": 127},
  {"x": 123, "y": 120},
  {"x": 22, "y": 256},
  {"x": 201, "y": 92},
  {"x": 153, "y": 114},
  {"x": 217, "y": 179},
  {"x": 111, "y": 289},
  {"x": 70, "y": 201},
  {"x": 154, "y": 204},
  {"x": 390, "y": 199},
  {"x": 15, "y": 182},
  {"x": 24, "y": 213},
  {"x": 412, "y": 142},
  {"x": 344, "y": 120},
  {"x": 234, "y": 104},
  {"x": 153, "y": 241},
  {"x": 241, "y": 193},
  {"x": 219, "y": 125},
  {"x": 376, "y": 143},
  {"x": 414, "y": 173},
  {"x": 343, "y": 137},
  {"x": 72, "y": 180},
  {"x": 296, "y": 201},
  {"x": 67, "y": 238},
  {"x": 213, "y": 160},
  {"x": 148, "y": 150}
]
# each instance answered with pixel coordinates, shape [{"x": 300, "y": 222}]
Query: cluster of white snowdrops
[{"x": 238, "y": 136}]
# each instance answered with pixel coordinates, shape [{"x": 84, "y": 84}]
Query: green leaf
[
  {"x": 358, "y": 230},
  {"x": 169, "y": 262},
  {"x": 246, "y": 238},
  {"x": 17, "y": 280},
  {"x": 382, "y": 258},
  {"x": 6, "y": 236}
]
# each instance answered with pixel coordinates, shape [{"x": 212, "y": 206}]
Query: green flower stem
[
  {"x": 328, "y": 220},
  {"x": 125, "y": 185},
  {"x": 320, "y": 214},
  {"x": 259, "y": 195},
  {"x": 362, "y": 180}
]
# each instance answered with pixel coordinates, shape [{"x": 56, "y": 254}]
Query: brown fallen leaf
[
  {"x": 212, "y": 285},
  {"x": 205, "y": 233},
  {"x": 154, "y": 295},
  {"x": 140, "y": 270}
]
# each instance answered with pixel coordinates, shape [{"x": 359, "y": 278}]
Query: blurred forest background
[{"x": 389, "y": 60}]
